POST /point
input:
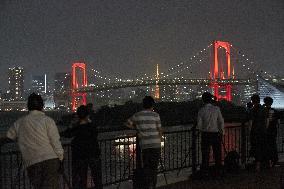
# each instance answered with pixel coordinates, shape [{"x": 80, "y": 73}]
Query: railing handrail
[{"x": 181, "y": 150}]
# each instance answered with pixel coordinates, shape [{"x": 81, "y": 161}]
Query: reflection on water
[{"x": 129, "y": 144}]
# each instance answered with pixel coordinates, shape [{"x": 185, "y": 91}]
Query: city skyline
[{"x": 130, "y": 38}]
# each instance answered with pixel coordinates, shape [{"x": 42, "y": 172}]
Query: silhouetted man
[
  {"x": 272, "y": 121},
  {"x": 38, "y": 140},
  {"x": 257, "y": 123},
  {"x": 148, "y": 126},
  {"x": 211, "y": 124},
  {"x": 85, "y": 151}
]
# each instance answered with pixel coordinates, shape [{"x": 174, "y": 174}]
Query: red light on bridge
[
  {"x": 220, "y": 74},
  {"x": 75, "y": 85}
]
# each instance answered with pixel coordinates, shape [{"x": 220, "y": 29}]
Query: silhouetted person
[
  {"x": 38, "y": 140},
  {"x": 257, "y": 122},
  {"x": 148, "y": 126},
  {"x": 272, "y": 121},
  {"x": 85, "y": 151},
  {"x": 211, "y": 124}
]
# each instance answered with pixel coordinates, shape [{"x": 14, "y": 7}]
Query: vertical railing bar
[
  {"x": 115, "y": 162},
  {"x": 181, "y": 150},
  {"x": 1, "y": 171},
  {"x": 11, "y": 171},
  {"x": 164, "y": 150},
  {"x": 105, "y": 162},
  {"x": 175, "y": 150},
  {"x": 120, "y": 161},
  {"x": 193, "y": 148},
  {"x": 19, "y": 170}
]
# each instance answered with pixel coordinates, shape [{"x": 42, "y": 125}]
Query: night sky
[{"x": 120, "y": 37}]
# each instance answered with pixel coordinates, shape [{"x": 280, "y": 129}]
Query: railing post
[
  {"x": 137, "y": 170},
  {"x": 194, "y": 149},
  {"x": 138, "y": 154},
  {"x": 243, "y": 143}
]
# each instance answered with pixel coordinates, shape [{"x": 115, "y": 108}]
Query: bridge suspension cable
[
  {"x": 185, "y": 66},
  {"x": 195, "y": 59},
  {"x": 250, "y": 65},
  {"x": 117, "y": 79}
]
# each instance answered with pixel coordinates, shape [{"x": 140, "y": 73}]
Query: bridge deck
[{"x": 266, "y": 179}]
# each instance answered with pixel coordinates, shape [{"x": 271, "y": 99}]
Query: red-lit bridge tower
[
  {"x": 75, "y": 85},
  {"x": 218, "y": 72}
]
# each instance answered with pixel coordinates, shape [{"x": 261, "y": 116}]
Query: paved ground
[{"x": 266, "y": 179}]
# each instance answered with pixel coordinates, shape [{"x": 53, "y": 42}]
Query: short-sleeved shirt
[
  {"x": 147, "y": 124},
  {"x": 37, "y": 137}
]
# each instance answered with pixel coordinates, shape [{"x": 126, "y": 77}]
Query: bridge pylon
[
  {"x": 75, "y": 85},
  {"x": 218, "y": 73}
]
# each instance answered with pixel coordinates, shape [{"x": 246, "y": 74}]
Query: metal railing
[{"x": 180, "y": 149}]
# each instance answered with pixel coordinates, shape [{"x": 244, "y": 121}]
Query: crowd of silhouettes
[
  {"x": 263, "y": 121},
  {"x": 42, "y": 152}
]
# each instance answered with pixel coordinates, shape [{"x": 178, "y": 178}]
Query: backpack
[{"x": 231, "y": 162}]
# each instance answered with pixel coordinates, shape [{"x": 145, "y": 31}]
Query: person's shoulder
[
  {"x": 20, "y": 120},
  {"x": 136, "y": 114},
  {"x": 47, "y": 118},
  {"x": 202, "y": 109},
  {"x": 156, "y": 114},
  {"x": 140, "y": 113},
  {"x": 217, "y": 108},
  {"x": 151, "y": 113},
  {"x": 144, "y": 113}
]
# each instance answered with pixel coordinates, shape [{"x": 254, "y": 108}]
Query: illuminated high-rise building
[
  {"x": 39, "y": 84},
  {"x": 62, "y": 82},
  {"x": 62, "y": 87},
  {"x": 16, "y": 83}
]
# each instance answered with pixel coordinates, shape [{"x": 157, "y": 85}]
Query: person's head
[
  {"x": 35, "y": 102},
  {"x": 82, "y": 112},
  {"x": 255, "y": 99},
  {"x": 148, "y": 102},
  {"x": 207, "y": 97},
  {"x": 268, "y": 101}
]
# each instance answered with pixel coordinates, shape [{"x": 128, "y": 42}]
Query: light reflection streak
[{"x": 128, "y": 144}]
